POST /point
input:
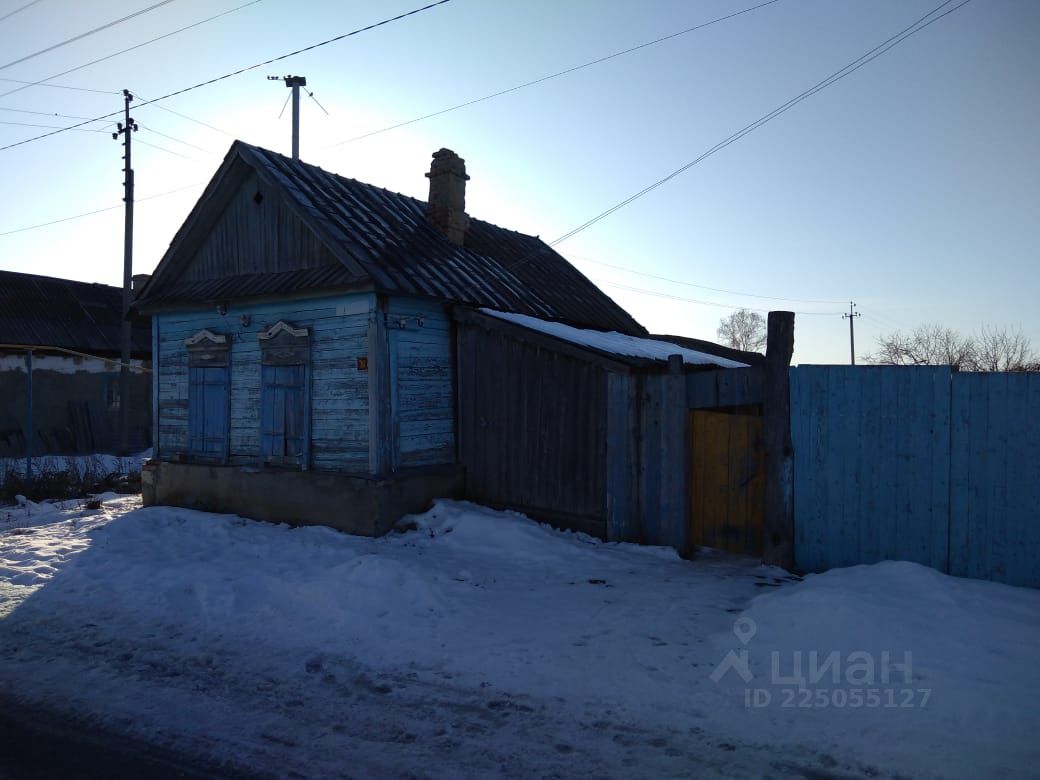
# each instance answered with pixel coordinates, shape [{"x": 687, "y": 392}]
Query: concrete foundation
[{"x": 356, "y": 504}]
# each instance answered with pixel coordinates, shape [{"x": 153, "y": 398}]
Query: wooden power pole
[
  {"x": 851, "y": 317},
  {"x": 126, "y": 129}
]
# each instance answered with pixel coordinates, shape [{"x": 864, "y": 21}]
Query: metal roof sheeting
[
  {"x": 47, "y": 312},
  {"x": 386, "y": 236}
]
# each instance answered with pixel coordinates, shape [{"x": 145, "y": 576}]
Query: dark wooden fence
[
  {"x": 533, "y": 429},
  {"x": 917, "y": 463}
]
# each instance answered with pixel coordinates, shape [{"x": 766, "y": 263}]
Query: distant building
[{"x": 72, "y": 330}]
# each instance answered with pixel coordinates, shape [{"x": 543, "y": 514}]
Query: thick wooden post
[
  {"x": 30, "y": 426},
  {"x": 778, "y": 545}
]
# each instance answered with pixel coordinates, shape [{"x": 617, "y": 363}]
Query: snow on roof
[{"x": 616, "y": 343}]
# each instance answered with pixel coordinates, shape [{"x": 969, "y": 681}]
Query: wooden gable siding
[
  {"x": 422, "y": 383},
  {"x": 533, "y": 428},
  {"x": 251, "y": 238},
  {"x": 339, "y": 391}
]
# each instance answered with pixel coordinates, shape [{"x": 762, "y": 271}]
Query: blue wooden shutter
[
  {"x": 295, "y": 400},
  {"x": 207, "y": 410},
  {"x": 283, "y": 430}
]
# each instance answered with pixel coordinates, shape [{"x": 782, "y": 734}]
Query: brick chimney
[{"x": 446, "y": 208}]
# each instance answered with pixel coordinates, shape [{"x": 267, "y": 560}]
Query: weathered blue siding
[
  {"x": 339, "y": 391},
  {"x": 871, "y": 464},
  {"x": 421, "y": 382},
  {"x": 919, "y": 464},
  {"x": 995, "y": 478}
]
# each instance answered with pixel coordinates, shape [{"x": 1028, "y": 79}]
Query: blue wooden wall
[
  {"x": 422, "y": 382},
  {"x": 995, "y": 478},
  {"x": 339, "y": 391},
  {"x": 918, "y": 464}
]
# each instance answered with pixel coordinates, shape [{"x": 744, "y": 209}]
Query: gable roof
[
  {"x": 383, "y": 241},
  {"x": 43, "y": 311}
]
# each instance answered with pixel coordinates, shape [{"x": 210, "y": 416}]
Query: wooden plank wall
[
  {"x": 724, "y": 388},
  {"x": 422, "y": 386},
  {"x": 919, "y": 464},
  {"x": 252, "y": 237},
  {"x": 533, "y": 429},
  {"x": 871, "y": 464},
  {"x": 663, "y": 465},
  {"x": 995, "y": 478},
  {"x": 624, "y": 513},
  {"x": 339, "y": 391}
]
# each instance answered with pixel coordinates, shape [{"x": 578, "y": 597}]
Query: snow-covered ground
[{"x": 481, "y": 644}]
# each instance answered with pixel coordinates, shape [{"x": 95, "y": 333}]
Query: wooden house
[
  {"x": 327, "y": 352},
  {"x": 59, "y": 368}
]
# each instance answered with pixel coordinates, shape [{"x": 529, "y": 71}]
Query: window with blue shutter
[
  {"x": 283, "y": 401},
  {"x": 284, "y": 395},
  {"x": 208, "y": 367},
  {"x": 207, "y": 410}
]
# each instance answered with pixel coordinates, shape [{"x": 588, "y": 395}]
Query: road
[{"x": 39, "y": 744}]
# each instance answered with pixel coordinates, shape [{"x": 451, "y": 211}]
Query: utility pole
[
  {"x": 126, "y": 129},
  {"x": 295, "y": 82},
  {"x": 851, "y": 317}
]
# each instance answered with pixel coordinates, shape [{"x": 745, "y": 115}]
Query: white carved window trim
[{"x": 282, "y": 327}]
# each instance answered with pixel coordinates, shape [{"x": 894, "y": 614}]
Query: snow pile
[
  {"x": 937, "y": 673},
  {"x": 615, "y": 343},
  {"x": 78, "y": 467},
  {"x": 481, "y": 643}
]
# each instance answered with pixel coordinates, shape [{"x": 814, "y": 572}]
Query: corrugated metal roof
[
  {"x": 48, "y": 312},
  {"x": 383, "y": 238},
  {"x": 253, "y": 285}
]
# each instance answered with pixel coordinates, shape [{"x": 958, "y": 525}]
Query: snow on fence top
[{"x": 616, "y": 343}]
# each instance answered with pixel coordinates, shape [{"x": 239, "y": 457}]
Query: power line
[
  {"x": 553, "y": 75},
  {"x": 73, "y": 116},
  {"x": 169, "y": 151},
  {"x": 669, "y": 296},
  {"x": 9, "y": 14},
  {"x": 41, "y": 82},
  {"x": 853, "y": 66},
  {"x": 78, "y": 129},
  {"x": 99, "y": 211},
  {"x": 704, "y": 287},
  {"x": 151, "y": 129},
  {"x": 243, "y": 70},
  {"x": 883, "y": 322},
  {"x": 86, "y": 34},
  {"x": 182, "y": 116},
  {"x": 60, "y": 86},
  {"x": 43, "y": 113}
]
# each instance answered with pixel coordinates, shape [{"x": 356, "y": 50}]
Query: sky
[{"x": 911, "y": 187}]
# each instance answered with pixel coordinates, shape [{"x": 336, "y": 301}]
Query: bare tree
[
  {"x": 994, "y": 349},
  {"x": 926, "y": 345},
  {"x": 999, "y": 349},
  {"x": 743, "y": 329}
]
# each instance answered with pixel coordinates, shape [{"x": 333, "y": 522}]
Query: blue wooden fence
[{"x": 917, "y": 463}]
